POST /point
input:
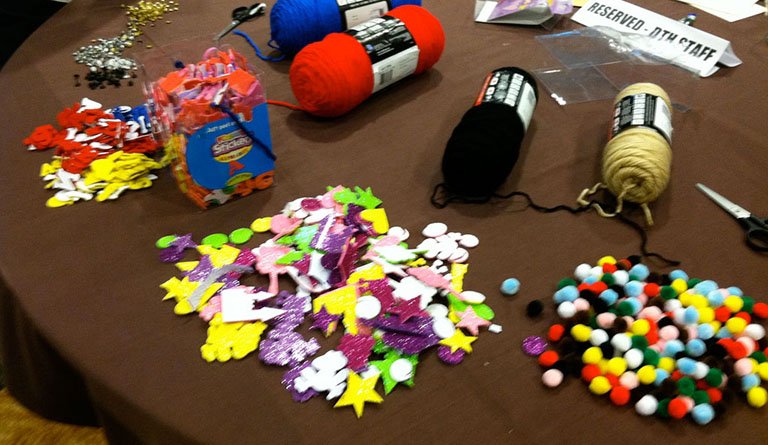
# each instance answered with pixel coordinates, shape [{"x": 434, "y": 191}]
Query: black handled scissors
[
  {"x": 241, "y": 15},
  {"x": 757, "y": 229}
]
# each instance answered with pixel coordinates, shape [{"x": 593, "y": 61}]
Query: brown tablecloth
[{"x": 87, "y": 339}]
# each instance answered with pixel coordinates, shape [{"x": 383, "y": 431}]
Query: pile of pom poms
[{"x": 671, "y": 345}]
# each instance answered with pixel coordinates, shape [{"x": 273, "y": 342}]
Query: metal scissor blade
[
  {"x": 736, "y": 211},
  {"x": 232, "y": 25}
]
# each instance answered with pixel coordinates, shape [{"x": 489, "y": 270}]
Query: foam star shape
[
  {"x": 325, "y": 321},
  {"x": 471, "y": 321},
  {"x": 458, "y": 341},
  {"x": 384, "y": 367},
  {"x": 405, "y": 309},
  {"x": 366, "y": 198},
  {"x": 359, "y": 391}
]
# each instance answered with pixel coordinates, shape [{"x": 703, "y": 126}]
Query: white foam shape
[
  {"x": 401, "y": 370},
  {"x": 443, "y": 327}
]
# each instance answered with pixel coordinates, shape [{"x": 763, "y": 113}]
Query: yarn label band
[
  {"x": 391, "y": 48},
  {"x": 355, "y": 12},
  {"x": 642, "y": 110},
  {"x": 505, "y": 86}
]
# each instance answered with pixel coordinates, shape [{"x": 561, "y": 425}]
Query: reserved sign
[{"x": 683, "y": 45}]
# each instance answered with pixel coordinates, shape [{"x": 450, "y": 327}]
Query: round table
[{"x": 87, "y": 339}]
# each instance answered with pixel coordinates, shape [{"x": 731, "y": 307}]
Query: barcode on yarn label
[
  {"x": 508, "y": 87},
  {"x": 642, "y": 110},
  {"x": 355, "y": 12},
  {"x": 391, "y": 48}
]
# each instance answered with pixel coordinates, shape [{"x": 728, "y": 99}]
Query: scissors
[
  {"x": 757, "y": 229},
  {"x": 241, "y": 15}
]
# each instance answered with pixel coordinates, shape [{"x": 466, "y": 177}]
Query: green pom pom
[
  {"x": 663, "y": 409},
  {"x": 749, "y": 303},
  {"x": 668, "y": 293},
  {"x": 650, "y": 357},
  {"x": 608, "y": 279},
  {"x": 626, "y": 308},
  {"x": 693, "y": 282},
  {"x": 714, "y": 378},
  {"x": 566, "y": 282},
  {"x": 686, "y": 386},
  {"x": 700, "y": 397},
  {"x": 639, "y": 342},
  {"x": 759, "y": 356}
]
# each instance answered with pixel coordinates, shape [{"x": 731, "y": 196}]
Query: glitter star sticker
[
  {"x": 405, "y": 309},
  {"x": 359, "y": 390},
  {"x": 458, "y": 341},
  {"x": 471, "y": 321},
  {"x": 324, "y": 321}
]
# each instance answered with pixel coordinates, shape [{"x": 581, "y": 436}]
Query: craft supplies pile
[
  {"x": 671, "y": 344},
  {"x": 354, "y": 273}
]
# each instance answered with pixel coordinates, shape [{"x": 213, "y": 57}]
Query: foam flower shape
[
  {"x": 231, "y": 340},
  {"x": 42, "y": 138}
]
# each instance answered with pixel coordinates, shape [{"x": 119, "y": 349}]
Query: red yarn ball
[
  {"x": 620, "y": 395},
  {"x": 677, "y": 408},
  {"x": 609, "y": 268},
  {"x": 331, "y": 77},
  {"x": 613, "y": 379},
  {"x": 745, "y": 316},
  {"x": 722, "y": 314}
]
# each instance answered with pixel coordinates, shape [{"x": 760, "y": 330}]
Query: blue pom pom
[
  {"x": 706, "y": 331},
  {"x": 677, "y": 273},
  {"x": 590, "y": 280},
  {"x": 686, "y": 365},
  {"x": 510, "y": 286},
  {"x": 637, "y": 306},
  {"x": 705, "y": 287},
  {"x": 633, "y": 288},
  {"x": 749, "y": 381},
  {"x": 640, "y": 271},
  {"x": 690, "y": 315},
  {"x": 568, "y": 293},
  {"x": 723, "y": 332},
  {"x": 733, "y": 290},
  {"x": 715, "y": 299},
  {"x": 696, "y": 347},
  {"x": 661, "y": 375},
  {"x": 672, "y": 347},
  {"x": 609, "y": 296},
  {"x": 703, "y": 413}
]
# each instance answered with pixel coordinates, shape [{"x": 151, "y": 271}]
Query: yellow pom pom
[
  {"x": 733, "y": 303},
  {"x": 641, "y": 327},
  {"x": 599, "y": 385},
  {"x": 617, "y": 366},
  {"x": 603, "y": 365},
  {"x": 706, "y": 314},
  {"x": 606, "y": 260},
  {"x": 736, "y": 325},
  {"x": 592, "y": 355},
  {"x": 700, "y": 302},
  {"x": 679, "y": 285},
  {"x": 756, "y": 396},
  {"x": 716, "y": 325},
  {"x": 667, "y": 364},
  {"x": 762, "y": 370},
  {"x": 646, "y": 375},
  {"x": 686, "y": 299},
  {"x": 581, "y": 332}
]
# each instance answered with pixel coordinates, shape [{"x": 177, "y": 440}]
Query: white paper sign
[{"x": 683, "y": 45}]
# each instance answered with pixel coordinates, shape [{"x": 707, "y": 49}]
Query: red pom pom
[
  {"x": 598, "y": 287},
  {"x": 760, "y": 310},
  {"x": 555, "y": 333},
  {"x": 653, "y": 333},
  {"x": 589, "y": 372},
  {"x": 702, "y": 384},
  {"x": 619, "y": 395},
  {"x": 745, "y": 316},
  {"x": 737, "y": 350},
  {"x": 613, "y": 379},
  {"x": 548, "y": 358},
  {"x": 676, "y": 375},
  {"x": 677, "y": 408},
  {"x": 715, "y": 396},
  {"x": 722, "y": 314},
  {"x": 651, "y": 289},
  {"x": 624, "y": 263},
  {"x": 609, "y": 268}
]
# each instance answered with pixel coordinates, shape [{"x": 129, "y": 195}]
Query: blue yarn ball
[
  {"x": 297, "y": 23},
  {"x": 705, "y": 331},
  {"x": 609, "y": 296},
  {"x": 568, "y": 293},
  {"x": 690, "y": 315},
  {"x": 733, "y": 290},
  {"x": 715, "y": 298},
  {"x": 633, "y": 288},
  {"x": 705, "y": 287},
  {"x": 686, "y": 365},
  {"x": 510, "y": 286},
  {"x": 703, "y": 413},
  {"x": 749, "y": 381},
  {"x": 677, "y": 273},
  {"x": 661, "y": 375},
  {"x": 672, "y": 347},
  {"x": 640, "y": 271},
  {"x": 696, "y": 347}
]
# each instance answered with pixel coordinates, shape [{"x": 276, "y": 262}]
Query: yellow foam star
[
  {"x": 186, "y": 266},
  {"x": 178, "y": 289},
  {"x": 458, "y": 341},
  {"x": 359, "y": 391},
  {"x": 226, "y": 255},
  {"x": 340, "y": 301}
]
